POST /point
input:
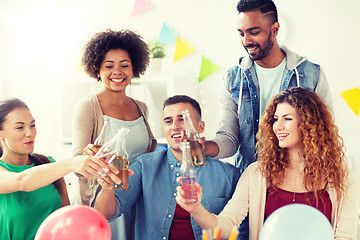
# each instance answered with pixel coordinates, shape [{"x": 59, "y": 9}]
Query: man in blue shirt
[{"x": 152, "y": 187}]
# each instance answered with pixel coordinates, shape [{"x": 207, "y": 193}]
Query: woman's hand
[
  {"x": 90, "y": 149},
  {"x": 88, "y": 166},
  {"x": 107, "y": 180},
  {"x": 190, "y": 207}
]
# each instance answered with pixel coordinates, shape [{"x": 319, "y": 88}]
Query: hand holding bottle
[
  {"x": 190, "y": 207},
  {"x": 90, "y": 149},
  {"x": 88, "y": 166},
  {"x": 188, "y": 174},
  {"x": 192, "y": 136},
  {"x": 108, "y": 180}
]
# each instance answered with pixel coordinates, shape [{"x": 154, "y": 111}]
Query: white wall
[{"x": 41, "y": 43}]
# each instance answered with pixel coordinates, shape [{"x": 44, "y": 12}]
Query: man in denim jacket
[{"x": 268, "y": 69}]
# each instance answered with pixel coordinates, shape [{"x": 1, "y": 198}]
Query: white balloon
[{"x": 297, "y": 222}]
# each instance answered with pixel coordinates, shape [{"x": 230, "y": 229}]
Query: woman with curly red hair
[{"x": 300, "y": 159}]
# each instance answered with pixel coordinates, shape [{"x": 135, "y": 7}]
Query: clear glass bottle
[
  {"x": 188, "y": 175},
  {"x": 114, "y": 152},
  {"x": 100, "y": 140},
  {"x": 197, "y": 153}
]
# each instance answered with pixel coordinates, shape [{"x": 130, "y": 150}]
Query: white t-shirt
[{"x": 269, "y": 82}]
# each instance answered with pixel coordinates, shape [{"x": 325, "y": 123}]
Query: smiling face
[
  {"x": 257, "y": 34},
  {"x": 18, "y": 133},
  {"x": 286, "y": 127},
  {"x": 116, "y": 70},
  {"x": 173, "y": 124}
]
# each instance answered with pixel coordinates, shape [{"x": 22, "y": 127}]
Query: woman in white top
[{"x": 114, "y": 58}]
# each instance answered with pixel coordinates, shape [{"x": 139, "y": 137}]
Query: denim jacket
[
  {"x": 153, "y": 189},
  {"x": 239, "y": 117}
]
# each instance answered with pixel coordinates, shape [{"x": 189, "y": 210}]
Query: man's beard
[{"x": 263, "y": 53}]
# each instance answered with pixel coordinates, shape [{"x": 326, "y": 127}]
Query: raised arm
[
  {"x": 45, "y": 174},
  {"x": 226, "y": 139},
  {"x": 203, "y": 217},
  {"x": 105, "y": 201}
]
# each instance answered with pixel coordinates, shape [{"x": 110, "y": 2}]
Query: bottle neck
[
  {"x": 191, "y": 132},
  {"x": 186, "y": 156}
]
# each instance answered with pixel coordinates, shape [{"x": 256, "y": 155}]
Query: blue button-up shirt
[{"x": 153, "y": 189}]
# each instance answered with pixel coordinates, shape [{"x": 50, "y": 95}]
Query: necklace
[{"x": 293, "y": 197}]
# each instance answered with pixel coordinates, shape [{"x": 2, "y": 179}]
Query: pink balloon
[{"x": 74, "y": 222}]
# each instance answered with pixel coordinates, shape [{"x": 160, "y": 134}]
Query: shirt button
[
  {"x": 171, "y": 166},
  {"x": 169, "y": 215},
  {"x": 164, "y": 238},
  {"x": 177, "y": 174},
  {"x": 178, "y": 164},
  {"x": 174, "y": 194}
]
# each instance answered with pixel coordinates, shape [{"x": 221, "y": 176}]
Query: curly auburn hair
[
  {"x": 323, "y": 147},
  {"x": 101, "y": 43}
]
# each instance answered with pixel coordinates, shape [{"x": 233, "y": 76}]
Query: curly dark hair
[
  {"x": 101, "y": 43},
  {"x": 323, "y": 147}
]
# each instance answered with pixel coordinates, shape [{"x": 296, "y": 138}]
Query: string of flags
[
  {"x": 208, "y": 67},
  {"x": 183, "y": 47}
]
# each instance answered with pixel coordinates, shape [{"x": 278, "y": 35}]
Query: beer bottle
[
  {"x": 114, "y": 152},
  {"x": 188, "y": 175},
  {"x": 197, "y": 153},
  {"x": 100, "y": 140}
]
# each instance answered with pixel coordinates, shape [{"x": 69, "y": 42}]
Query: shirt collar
[{"x": 173, "y": 162}]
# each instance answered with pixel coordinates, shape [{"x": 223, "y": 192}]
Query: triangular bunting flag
[
  {"x": 167, "y": 34},
  {"x": 207, "y": 68},
  {"x": 352, "y": 98},
  {"x": 183, "y": 49},
  {"x": 140, "y": 7}
]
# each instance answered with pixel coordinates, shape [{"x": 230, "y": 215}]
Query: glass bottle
[
  {"x": 197, "y": 153},
  {"x": 114, "y": 152},
  {"x": 100, "y": 140},
  {"x": 188, "y": 175}
]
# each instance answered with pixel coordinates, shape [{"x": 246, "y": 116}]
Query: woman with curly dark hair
[
  {"x": 114, "y": 58},
  {"x": 300, "y": 159}
]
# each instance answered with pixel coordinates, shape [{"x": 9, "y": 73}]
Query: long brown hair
[
  {"x": 323, "y": 147},
  {"x": 7, "y": 106}
]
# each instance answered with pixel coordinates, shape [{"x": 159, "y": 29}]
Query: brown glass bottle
[{"x": 197, "y": 153}]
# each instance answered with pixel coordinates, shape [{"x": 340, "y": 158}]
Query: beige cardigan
[
  {"x": 250, "y": 196},
  {"x": 87, "y": 123}
]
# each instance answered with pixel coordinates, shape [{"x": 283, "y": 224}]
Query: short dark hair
[
  {"x": 264, "y": 6},
  {"x": 101, "y": 43},
  {"x": 182, "y": 99}
]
